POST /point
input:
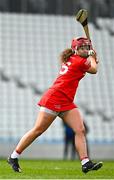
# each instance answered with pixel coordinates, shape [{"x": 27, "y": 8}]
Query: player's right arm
[{"x": 94, "y": 63}]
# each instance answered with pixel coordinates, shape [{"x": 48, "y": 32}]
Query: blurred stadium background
[{"x": 32, "y": 35}]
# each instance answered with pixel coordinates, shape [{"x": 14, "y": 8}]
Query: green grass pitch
[{"x": 54, "y": 169}]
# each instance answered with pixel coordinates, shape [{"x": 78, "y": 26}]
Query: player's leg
[
  {"x": 43, "y": 121},
  {"x": 74, "y": 119}
]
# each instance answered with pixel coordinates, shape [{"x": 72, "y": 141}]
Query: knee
[{"x": 81, "y": 130}]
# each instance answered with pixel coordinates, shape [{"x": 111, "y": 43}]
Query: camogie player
[{"x": 58, "y": 101}]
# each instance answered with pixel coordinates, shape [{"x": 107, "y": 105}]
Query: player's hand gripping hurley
[{"x": 82, "y": 18}]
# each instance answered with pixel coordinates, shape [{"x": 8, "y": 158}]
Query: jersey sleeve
[{"x": 85, "y": 64}]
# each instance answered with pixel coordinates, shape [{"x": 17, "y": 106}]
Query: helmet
[{"x": 79, "y": 42}]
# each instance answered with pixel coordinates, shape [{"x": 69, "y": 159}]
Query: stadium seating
[{"x": 29, "y": 61}]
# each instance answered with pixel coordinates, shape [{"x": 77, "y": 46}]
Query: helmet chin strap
[{"x": 82, "y": 55}]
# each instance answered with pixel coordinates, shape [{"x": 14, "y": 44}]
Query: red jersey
[{"x": 60, "y": 95}]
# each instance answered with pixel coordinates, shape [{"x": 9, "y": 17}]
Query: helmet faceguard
[{"x": 76, "y": 43}]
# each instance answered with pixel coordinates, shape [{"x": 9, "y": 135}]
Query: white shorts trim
[{"x": 44, "y": 109}]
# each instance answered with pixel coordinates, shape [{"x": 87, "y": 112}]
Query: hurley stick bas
[{"x": 82, "y": 18}]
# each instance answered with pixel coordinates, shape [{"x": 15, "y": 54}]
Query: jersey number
[{"x": 64, "y": 68}]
